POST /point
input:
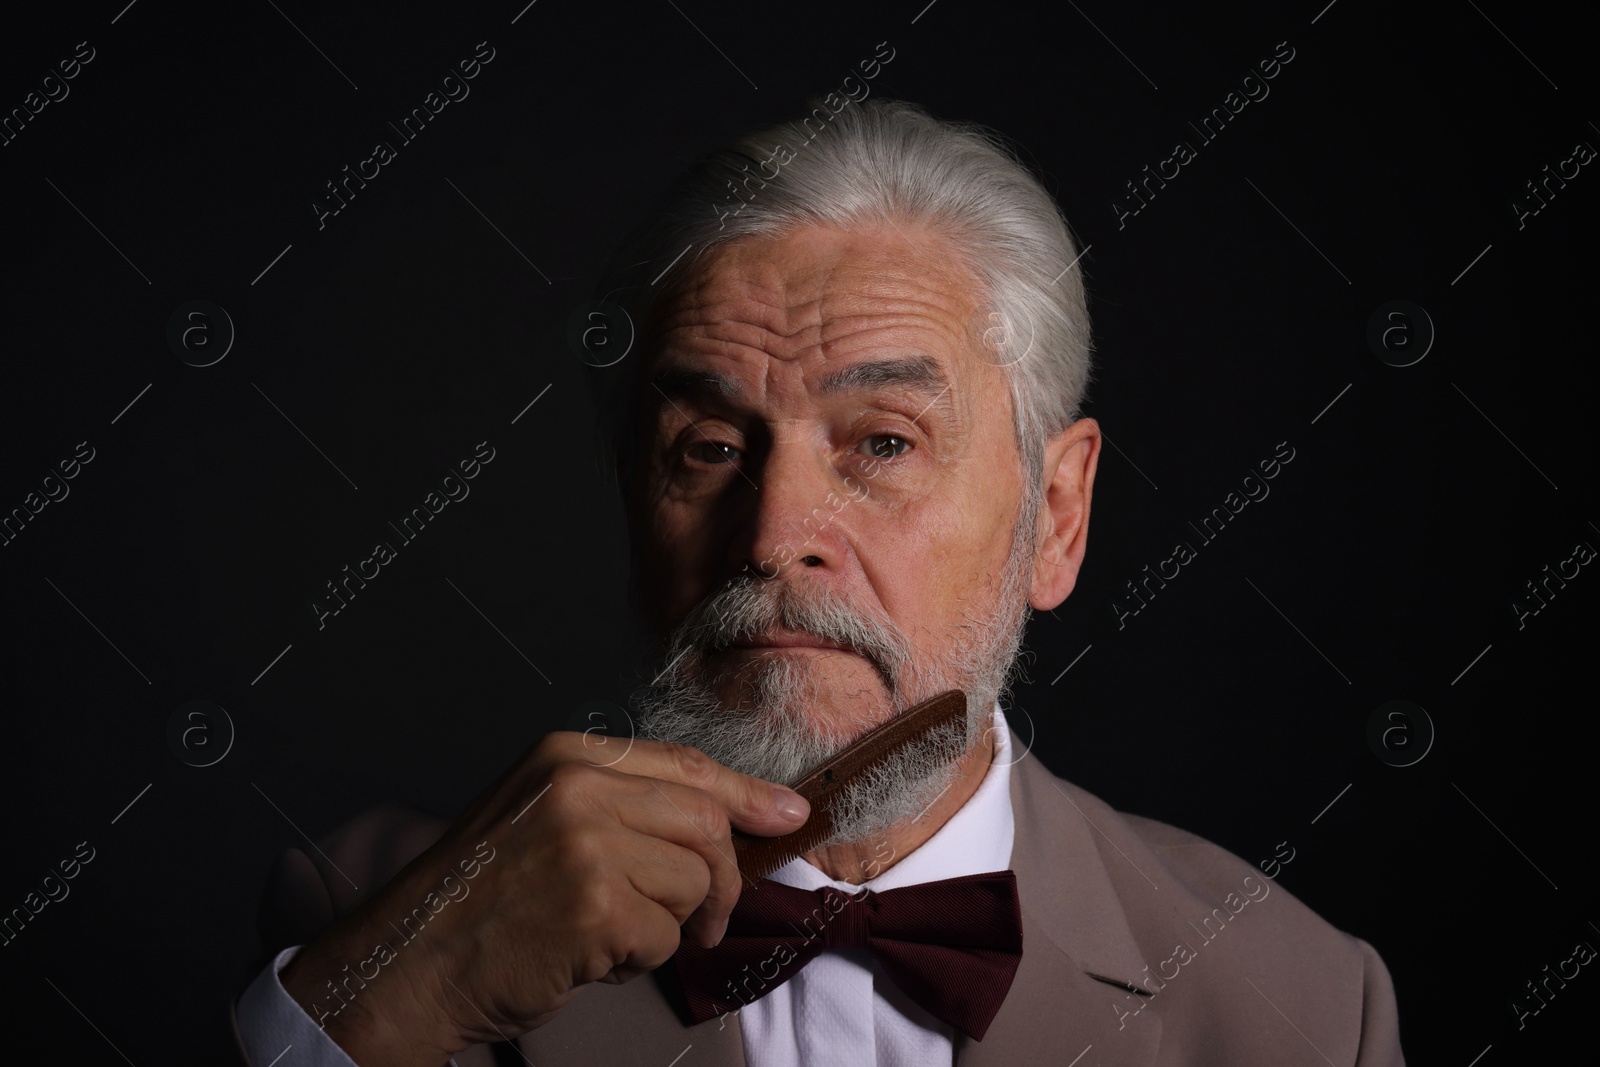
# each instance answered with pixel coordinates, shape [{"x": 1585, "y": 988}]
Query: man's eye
[
  {"x": 885, "y": 445},
  {"x": 711, "y": 452}
]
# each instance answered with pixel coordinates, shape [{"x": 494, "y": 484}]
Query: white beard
[{"x": 769, "y": 734}]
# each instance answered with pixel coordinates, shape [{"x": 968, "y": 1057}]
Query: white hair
[{"x": 891, "y": 161}]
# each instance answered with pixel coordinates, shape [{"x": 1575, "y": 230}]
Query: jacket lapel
[{"x": 1079, "y": 957}]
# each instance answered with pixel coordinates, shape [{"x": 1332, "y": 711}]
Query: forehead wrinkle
[
  {"x": 748, "y": 319},
  {"x": 741, "y": 302},
  {"x": 880, "y": 299},
  {"x": 810, "y": 302}
]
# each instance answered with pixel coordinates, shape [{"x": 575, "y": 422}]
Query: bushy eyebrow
[{"x": 919, "y": 373}]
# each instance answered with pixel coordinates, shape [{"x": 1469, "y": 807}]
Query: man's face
[{"x": 821, "y": 429}]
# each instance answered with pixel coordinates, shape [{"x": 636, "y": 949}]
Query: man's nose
[{"x": 794, "y": 523}]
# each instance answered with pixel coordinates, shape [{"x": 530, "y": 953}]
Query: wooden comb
[{"x": 824, "y": 785}]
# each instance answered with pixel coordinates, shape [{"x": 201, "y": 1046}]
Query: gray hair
[{"x": 888, "y": 160}]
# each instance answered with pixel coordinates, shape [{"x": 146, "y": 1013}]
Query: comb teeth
[
  {"x": 760, "y": 856},
  {"x": 824, "y": 786}
]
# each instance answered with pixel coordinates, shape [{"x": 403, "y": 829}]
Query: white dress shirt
[{"x": 824, "y": 1014}]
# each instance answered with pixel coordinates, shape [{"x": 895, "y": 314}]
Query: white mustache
[{"x": 748, "y": 607}]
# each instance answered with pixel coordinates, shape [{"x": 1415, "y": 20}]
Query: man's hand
[{"x": 594, "y": 875}]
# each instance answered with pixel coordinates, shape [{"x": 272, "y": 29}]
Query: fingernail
[
  {"x": 790, "y": 803},
  {"x": 722, "y": 931}
]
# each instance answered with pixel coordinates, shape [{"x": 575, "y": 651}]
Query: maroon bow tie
[{"x": 952, "y": 946}]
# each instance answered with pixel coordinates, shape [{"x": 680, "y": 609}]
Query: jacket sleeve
[
  {"x": 268, "y": 1023},
  {"x": 1380, "y": 1016},
  {"x": 304, "y": 894}
]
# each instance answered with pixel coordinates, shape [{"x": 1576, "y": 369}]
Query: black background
[{"x": 415, "y": 324}]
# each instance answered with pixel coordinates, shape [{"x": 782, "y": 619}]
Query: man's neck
[{"x": 860, "y": 861}]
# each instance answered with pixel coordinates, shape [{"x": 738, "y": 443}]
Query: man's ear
[{"x": 1062, "y": 534}]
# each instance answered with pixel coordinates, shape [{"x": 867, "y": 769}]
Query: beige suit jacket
[{"x": 1143, "y": 945}]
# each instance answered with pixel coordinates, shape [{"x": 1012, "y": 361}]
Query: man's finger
[{"x": 754, "y": 805}]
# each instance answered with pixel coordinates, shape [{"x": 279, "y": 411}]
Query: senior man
[{"x": 852, "y": 459}]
